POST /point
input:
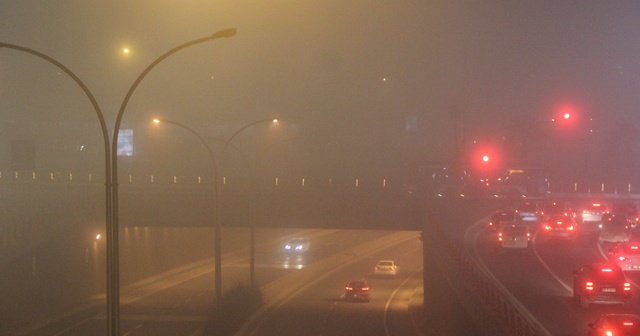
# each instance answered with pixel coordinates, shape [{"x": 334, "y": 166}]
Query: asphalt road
[{"x": 168, "y": 281}]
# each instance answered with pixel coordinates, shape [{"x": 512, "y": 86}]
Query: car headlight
[{"x": 287, "y": 247}]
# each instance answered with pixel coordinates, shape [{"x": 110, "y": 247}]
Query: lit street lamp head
[{"x": 231, "y": 32}]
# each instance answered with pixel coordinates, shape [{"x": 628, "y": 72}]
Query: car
[
  {"x": 626, "y": 255},
  {"x": 558, "y": 208},
  {"x": 514, "y": 236},
  {"x": 559, "y": 226},
  {"x": 528, "y": 211},
  {"x": 602, "y": 283},
  {"x": 623, "y": 324},
  {"x": 297, "y": 245},
  {"x": 629, "y": 209},
  {"x": 500, "y": 217},
  {"x": 615, "y": 228},
  {"x": 593, "y": 212},
  {"x": 386, "y": 268},
  {"x": 357, "y": 290}
]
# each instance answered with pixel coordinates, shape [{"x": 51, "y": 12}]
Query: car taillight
[
  {"x": 348, "y": 288},
  {"x": 547, "y": 227},
  {"x": 365, "y": 288},
  {"x": 621, "y": 258},
  {"x": 500, "y": 236},
  {"x": 627, "y": 286},
  {"x": 588, "y": 285},
  {"x": 571, "y": 228}
]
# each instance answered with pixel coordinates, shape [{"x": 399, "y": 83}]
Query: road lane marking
[{"x": 386, "y": 306}]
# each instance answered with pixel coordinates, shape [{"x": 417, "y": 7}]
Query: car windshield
[
  {"x": 596, "y": 207},
  {"x": 527, "y": 207},
  {"x": 517, "y": 229},
  {"x": 358, "y": 284}
]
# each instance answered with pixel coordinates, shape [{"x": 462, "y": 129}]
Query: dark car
[
  {"x": 358, "y": 290},
  {"x": 514, "y": 236},
  {"x": 600, "y": 283},
  {"x": 629, "y": 209},
  {"x": 559, "y": 226},
  {"x": 615, "y": 325},
  {"x": 500, "y": 218},
  {"x": 615, "y": 228}
]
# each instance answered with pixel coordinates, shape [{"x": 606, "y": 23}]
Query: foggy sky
[{"x": 346, "y": 74}]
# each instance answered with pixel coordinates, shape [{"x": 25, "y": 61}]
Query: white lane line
[
  {"x": 386, "y": 306},
  {"x": 545, "y": 265}
]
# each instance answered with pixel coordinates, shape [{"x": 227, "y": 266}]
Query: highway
[
  {"x": 541, "y": 279},
  {"x": 168, "y": 288}
]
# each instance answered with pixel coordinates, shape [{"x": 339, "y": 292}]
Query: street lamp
[
  {"x": 105, "y": 136},
  {"x": 216, "y": 198},
  {"x": 113, "y": 295},
  {"x": 251, "y": 224}
]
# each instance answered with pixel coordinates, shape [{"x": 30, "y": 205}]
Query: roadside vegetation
[{"x": 238, "y": 304}]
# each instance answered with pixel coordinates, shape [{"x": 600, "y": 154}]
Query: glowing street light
[
  {"x": 216, "y": 198},
  {"x": 113, "y": 296}
]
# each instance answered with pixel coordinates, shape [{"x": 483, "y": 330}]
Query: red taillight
[
  {"x": 571, "y": 228},
  {"x": 588, "y": 285},
  {"x": 634, "y": 247},
  {"x": 348, "y": 288},
  {"x": 621, "y": 258},
  {"x": 627, "y": 323},
  {"x": 627, "y": 286},
  {"x": 365, "y": 288},
  {"x": 608, "y": 270}
]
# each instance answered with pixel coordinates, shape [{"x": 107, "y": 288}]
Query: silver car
[{"x": 626, "y": 255}]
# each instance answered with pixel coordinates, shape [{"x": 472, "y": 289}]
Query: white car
[
  {"x": 386, "y": 268},
  {"x": 297, "y": 245}
]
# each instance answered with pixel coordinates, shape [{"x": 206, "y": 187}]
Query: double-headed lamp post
[
  {"x": 113, "y": 262},
  {"x": 216, "y": 194}
]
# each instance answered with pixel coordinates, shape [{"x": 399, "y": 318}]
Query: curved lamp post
[
  {"x": 216, "y": 199},
  {"x": 105, "y": 136},
  {"x": 113, "y": 296}
]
